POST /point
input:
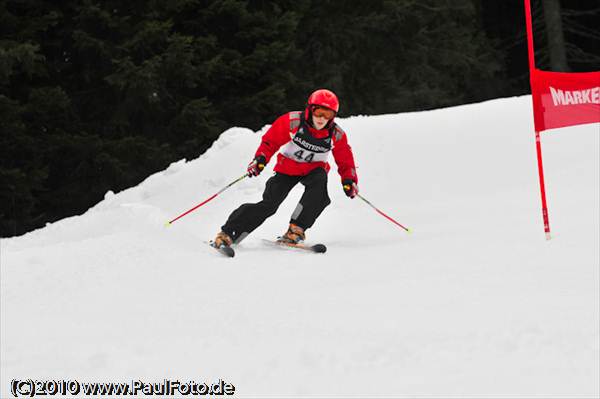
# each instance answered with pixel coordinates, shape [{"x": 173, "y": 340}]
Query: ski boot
[
  {"x": 294, "y": 235},
  {"x": 222, "y": 239},
  {"x": 222, "y": 243}
]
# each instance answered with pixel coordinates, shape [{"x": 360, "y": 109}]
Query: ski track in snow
[{"x": 474, "y": 303}]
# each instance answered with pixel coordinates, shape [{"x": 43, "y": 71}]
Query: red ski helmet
[{"x": 324, "y": 98}]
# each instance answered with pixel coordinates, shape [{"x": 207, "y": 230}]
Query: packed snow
[{"x": 474, "y": 303}]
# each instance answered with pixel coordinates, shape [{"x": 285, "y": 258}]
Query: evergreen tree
[
  {"x": 95, "y": 96},
  {"x": 386, "y": 56}
]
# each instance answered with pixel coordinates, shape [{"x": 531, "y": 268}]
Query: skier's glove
[
  {"x": 256, "y": 166},
  {"x": 350, "y": 187}
]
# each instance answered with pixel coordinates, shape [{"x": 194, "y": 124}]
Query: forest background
[{"x": 96, "y": 96}]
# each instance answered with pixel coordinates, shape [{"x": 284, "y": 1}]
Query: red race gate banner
[
  {"x": 564, "y": 99},
  {"x": 559, "y": 100}
]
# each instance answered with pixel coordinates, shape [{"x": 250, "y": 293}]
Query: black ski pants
[{"x": 248, "y": 217}]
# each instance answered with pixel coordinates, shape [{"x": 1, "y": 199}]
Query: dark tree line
[{"x": 95, "y": 96}]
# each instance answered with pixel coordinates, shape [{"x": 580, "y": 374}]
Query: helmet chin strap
[{"x": 309, "y": 120}]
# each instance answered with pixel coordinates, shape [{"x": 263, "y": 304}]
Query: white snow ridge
[{"x": 474, "y": 303}]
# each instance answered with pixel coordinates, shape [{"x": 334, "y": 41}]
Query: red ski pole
[
  {"x": 383, "y": 214},
  {"x": 207, "y": 200}
]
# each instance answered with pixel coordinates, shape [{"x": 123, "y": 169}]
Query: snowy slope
[{"x": 474, "y": 303}]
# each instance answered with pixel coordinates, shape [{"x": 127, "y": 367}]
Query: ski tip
[
  {"x": 228, "y": 251},
  {"x": 225, "y": 250},
  {"x": 167, "y": 224},
  {"x": 319, "y": 248},
  {"x": 409, "y": 231}
]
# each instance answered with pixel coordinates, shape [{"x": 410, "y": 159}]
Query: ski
[
  {"x": 316, "y": 248},
  {"x": 223, "y": 249}
]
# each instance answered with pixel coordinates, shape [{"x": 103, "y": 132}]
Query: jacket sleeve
[
  {"x": 342, "y": 153},
  {"x": 277, "y": 135}
]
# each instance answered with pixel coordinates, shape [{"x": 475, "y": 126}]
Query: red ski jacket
[{"x": 306, "y": 148}]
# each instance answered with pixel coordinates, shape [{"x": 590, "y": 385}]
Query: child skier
[{"x": 307, "y": 138}]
